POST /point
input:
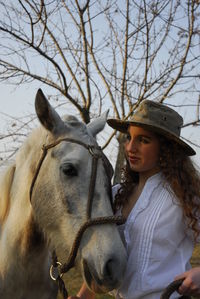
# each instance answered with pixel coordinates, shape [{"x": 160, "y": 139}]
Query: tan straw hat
[{"x": 158, "y": 118}]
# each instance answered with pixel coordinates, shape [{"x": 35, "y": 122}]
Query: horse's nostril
[{"x": 109, "y": 270}]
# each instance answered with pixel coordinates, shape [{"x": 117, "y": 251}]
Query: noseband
[{"x": 96, "y": 153}]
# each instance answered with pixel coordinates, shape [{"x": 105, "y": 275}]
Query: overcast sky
[{"x": 19, "y": 102}]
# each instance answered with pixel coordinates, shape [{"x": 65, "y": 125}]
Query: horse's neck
[
  {"x": 24, "y": 256},
  {"x": 24, "y": 263},
  {"x": 20, "y": 236},
  {"x": 20, "y": 215}
]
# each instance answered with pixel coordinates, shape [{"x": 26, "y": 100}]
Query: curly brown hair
[{"x": 182, "y": 176}]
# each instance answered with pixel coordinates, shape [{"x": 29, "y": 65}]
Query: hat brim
[{"x": 122, "y": 126}]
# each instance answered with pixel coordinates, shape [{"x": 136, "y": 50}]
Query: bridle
[{"x": 97, "y": 154}]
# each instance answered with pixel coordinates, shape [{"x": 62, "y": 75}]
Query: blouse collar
[{"x": 152, "y": 182}]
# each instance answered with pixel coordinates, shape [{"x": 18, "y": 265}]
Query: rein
[
  {"x": 96, "y": 153},
  {"x": 171, "y": 288}
]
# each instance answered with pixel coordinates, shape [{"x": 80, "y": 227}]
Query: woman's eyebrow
[{"x": 144, "y": 136}]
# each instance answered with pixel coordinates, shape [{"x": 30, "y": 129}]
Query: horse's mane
[
  {"x": 5, "y": 186},
  {"x": 23, "y": 157}
]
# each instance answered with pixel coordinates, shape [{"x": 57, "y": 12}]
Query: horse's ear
[
  {"x": 47, "y": 115},
  {"x": 98, "y": 124}
]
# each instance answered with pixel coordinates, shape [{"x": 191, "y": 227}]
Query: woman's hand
[
  {"x": 191, "y": 283},
  {"x": 84, "y": 293}
]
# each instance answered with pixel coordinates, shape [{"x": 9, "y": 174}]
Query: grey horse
[{"x": 31, "y": 228}]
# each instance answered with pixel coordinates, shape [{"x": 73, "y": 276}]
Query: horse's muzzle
[{"x": 103, "y": 283}]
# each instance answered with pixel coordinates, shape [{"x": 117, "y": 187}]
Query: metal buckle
[
  {"x": 91, "y": 151},
  {"x": 55, "y": 270}
]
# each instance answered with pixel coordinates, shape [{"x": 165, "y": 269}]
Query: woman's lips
[{"x": 133, "y": 159}]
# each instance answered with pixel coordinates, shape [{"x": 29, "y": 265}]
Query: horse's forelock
[
  {"x": 68, "y": 118},
  {"x": 80, "y": 130},
  {"x": 73, "y": 123}
]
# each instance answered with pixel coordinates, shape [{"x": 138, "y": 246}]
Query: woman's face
[{"x": 142, "y": 150}]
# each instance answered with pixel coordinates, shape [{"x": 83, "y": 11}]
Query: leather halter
[{"x": 96, "y": 153}]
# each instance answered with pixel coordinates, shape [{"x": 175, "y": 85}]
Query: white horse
[{"x": 30, "y": 228}]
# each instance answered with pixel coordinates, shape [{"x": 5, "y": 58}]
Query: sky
[{"x": 17, "y": 102}]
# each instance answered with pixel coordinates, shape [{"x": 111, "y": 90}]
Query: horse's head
[{"x": 62, "y": 189}]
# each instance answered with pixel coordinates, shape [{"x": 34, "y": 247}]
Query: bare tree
[{"x": 105, "y": 53}]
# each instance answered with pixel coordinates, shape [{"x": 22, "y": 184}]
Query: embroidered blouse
[{"x": 158, "y": 243}]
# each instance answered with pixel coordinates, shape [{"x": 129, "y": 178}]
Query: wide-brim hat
[{"x": 158, "y": 118}]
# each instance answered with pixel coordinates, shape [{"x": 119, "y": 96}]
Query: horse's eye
[{"x": 69, "y": 170}]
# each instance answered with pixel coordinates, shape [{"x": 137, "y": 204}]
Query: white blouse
[{"x": 158, "y": 243}]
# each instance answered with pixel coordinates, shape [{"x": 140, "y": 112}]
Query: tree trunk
[{"x": 120, "y": 159}]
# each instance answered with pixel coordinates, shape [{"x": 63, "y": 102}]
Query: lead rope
[{"x": 171, "y": 288}]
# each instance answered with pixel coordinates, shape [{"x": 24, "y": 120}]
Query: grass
[{"x": 73, "y": 280}]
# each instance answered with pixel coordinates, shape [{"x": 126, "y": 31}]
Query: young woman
[{"x": 160, "y": 197}]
